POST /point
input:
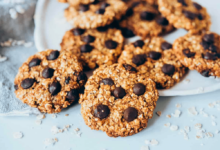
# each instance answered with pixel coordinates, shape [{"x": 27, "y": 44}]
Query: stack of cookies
[{"x": 121, "y": 95}]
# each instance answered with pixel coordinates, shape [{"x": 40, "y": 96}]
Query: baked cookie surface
[
  {"x": 96, "y": 14},
  {"x": 118, "y": 101},
  {"x": 50, "y": 80},
  {"x": 77, "y": 2},
  {"x": 200, "y": 52},
  {"x": 145, "y": 20},
  {"x": 185, "y": 14},
  {"x": 155, "y": 59},
  {"x": 94, "y": 47}
]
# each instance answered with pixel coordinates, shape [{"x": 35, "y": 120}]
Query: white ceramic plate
[{"x": 51, "y": 26}]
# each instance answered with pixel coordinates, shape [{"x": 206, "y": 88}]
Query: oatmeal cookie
[
  {"x": 95, "y": 47},
  {"x": 62, "y": 1},
  {"x": 50, "y": 80},
  {"x": 185, "y": 14},
  {"x": 118, "y": 101},
  {"x": 154, "y": 58},
  {"x": 145, "y": 20},
  {"x": 200, "y": 52},
  {"x": 77, "y": 2},
  {"x": 95, "y": 14}
]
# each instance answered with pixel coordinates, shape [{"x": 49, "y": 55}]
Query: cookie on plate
[
  {"x": 200, "y": 52},
  {"x": 185, "y": 14},
  {"x": 95, "y": 47},
  {"x": 96, "y": 14},
  {"x": 50, "y": 80},
  {"x": 118, "y": 101},
  {"x": 62, "y": 1},
  {"x": 154, "y": 58},
  {"x": 77, "y": 2},
  {"x": 145, "y": 20}
]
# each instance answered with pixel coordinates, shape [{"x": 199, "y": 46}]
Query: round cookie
[
  {"x": 62, "y": 1},
  {"x": 185, "y": 14},
  {"x": 50, "y": 80},
  {"x": 95, "y": 14},
  {"x": 77, "y": 2},
  {"x": 95, "y": 47},
  {"x": 118, "y": 101},
  {"x": 154, "y": 58},
  {"x": 200, "y": 52},
  {"x": 145, "y": 20}
]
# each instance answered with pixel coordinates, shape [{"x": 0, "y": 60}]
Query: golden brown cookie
[
  {"x": 200, "y": 52},
  {"x": 118, "y": 101},
  {"x": 95, "y": 14},
  {"x": 155, "y": 59},
  {"x": 77, "y": 2},
  {"x": 185, "y": 14},
  {"x": 95, "y": 47},
  {"x": 50, "y": 80},
  {"x": 145, "y": 20}
]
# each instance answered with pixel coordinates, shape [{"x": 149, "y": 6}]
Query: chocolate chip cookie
[
  {"x": 95, "y": 47},
  {"x": 77, "y": 2},
  {"x": 118, "y": 101},
  {"x": 50, "y": 80},
  {"x": 200, "y": 52},
  {"x": 145, "y": 20},
  {"x": 96, "y": 14},
  {"x": 185, "y": 14},
  {"x": 154, "y": 58}
]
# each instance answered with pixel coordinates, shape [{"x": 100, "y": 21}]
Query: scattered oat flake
[
  {"x": 19, "y": 9},
  {"x": 214, "y": 123},
  {"x": 204, "y": 113},
  {"x": 38, "y": 122},
  {"x": 186, "y": 81},
  {"x": 50, "y": 141},
  {"x": 77, "y": 129},
  {"x": 217, "y": 132},
  {"x": 178, "y": 105},
  {"x": 187, "y": 128},
  {"x": 154, "y": 142},
  {"x": 55, "y": 130},
  {"x": 168, "y": 116},
  {"x": 198, "y": 126},
  {"x": 41, "y": 116},
  {"x": 147, "y": 142},
  {"x": 145, "y": 148},
  {"x": 211, "y": 105},
  {"x": 177, "y": 113},
  {"x": 167, "y": 124},
  {"x": 209, "y": 135},
  {"x": 193, "y": 111},
  {"x": 54, "y": 116},
  {"x": 174, "y": 127},
  {"x": 18, "y": 135},
  {"x": 213, "y": 117},
  {"x": 158, "y": 113}
]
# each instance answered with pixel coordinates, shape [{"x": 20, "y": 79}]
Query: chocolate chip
[
  {"x": 147, "y": 15},
  {"x": 197, "y": 6},
  {"x": 67, "y": 80},
  {"x": 139, "y": 59},
  {"x": 139, "y": 43},
  {"x": 119, "y": 92},
  {"x": 47, "y": 73},
  {"x": 103, "y": 29},
  {"x": 101, "y": 111},
  {"x": 210, "y": 56},
  {"x": 210, "y": 38},
  {"x": 182, "y": 2},
  {"x": 82, "y": 89},
  {"x": 129, "y": 12},
  {"x": 129, "y": 67},
  {"x": 34, "y": 62},
  {"x": 86, "y": 48},
  {"x": 27, "y": 83},
  {"x": 134, "y": 4},
  {"x": 55, "y": 88},
  {"x": 159, "y": 86},
  {"x": 127, "y": 33},
  {"x": 213, "y": 48},
  {"x": 81, "y": 77},
  {"x": 110, "y": 44},
  {"x": 188, "y": 53},
  {"x": 104, "y": 5},
  {"x": 168, "y": 69},
  {"x": 154, "y": 55},
  {"x": 88, "y": 39},
  {"x": 73, "y": 95},
  {"x": 200, "y": 17},
  {"x": 205, "y": 45},
  {"x": 83, "y": 8},
  {"x": 130, "y": 114},
  {"x": 53, "y": 55},
  {"x": 190, "y": 15},
  {"x": 162, "y": 21},
  {"x": 166, "y": 46},
  {"x": 205, "y": 73},
  {"x": 16, "y": 87},
  {"x": 107, "y": 81},
  {"x": 78, "y": 31},
  {"x": 139, "y": 89},
  {"x": 100, "y": 11}
]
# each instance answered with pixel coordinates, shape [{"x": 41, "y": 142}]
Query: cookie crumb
[
  {"x": 177, "y": 113},
  {"x": 154, "y": 142},
  {"x": 50, "y": 141},
  {"x": 178, "y": 106},
  {"x": 18, "y": 135},
  {"x": 217, "y": 132},
  {"x": 198, "y": 126},
  {"x": 214, "y": 123},
  {"x": 54, "y": 116},
  {"x": 147, "y": 142},
  {"x": 19, "y": 9},
  {"x": 211, "y": 105},
  {"x": 41, "y": 116},
  {"x": 168, "y": 116},
  {"x": 186, "y": 81},
  {"x": 174, "y": 128},
  {"x": 167, "y": 124},
  {"x": 193, "y": 111},
  {"x": 158, "y": 113},
  {"x": 187, "y": 128},
  {"x": 66, "y": 115},
  {"x": 55, "y": 130}
]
